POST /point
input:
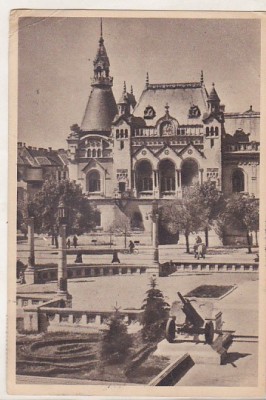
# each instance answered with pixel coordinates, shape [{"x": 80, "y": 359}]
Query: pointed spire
[
  {"x": 101, "y": 33},
  {"x": 125, "y": 87},
  {"x": 166, "y": 109},
  {"x": 147, "y": 79},
  {"x": 201, "y": 77},
  {"x": 131, "y": 89}
]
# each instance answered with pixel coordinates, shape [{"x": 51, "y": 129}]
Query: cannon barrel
[
  {"x": 184, "y": 301},
  {"x": 192, "y": 316}
]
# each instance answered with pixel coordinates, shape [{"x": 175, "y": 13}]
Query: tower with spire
[{"x": 101, "y": 107}]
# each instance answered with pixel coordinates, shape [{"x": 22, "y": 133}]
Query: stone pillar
[
  {"x": 62, "y": 264},
  {"x": 30, "y": 271},
  {"x": 155, "y": 243},
  {"x": 31, "y": 243}
]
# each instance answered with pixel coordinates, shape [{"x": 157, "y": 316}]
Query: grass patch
[
  {"x": 209, "y": 291},
  {"x": 78, "y": 356}
]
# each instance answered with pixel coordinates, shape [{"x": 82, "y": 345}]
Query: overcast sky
[{"x": 56, "y": 55}]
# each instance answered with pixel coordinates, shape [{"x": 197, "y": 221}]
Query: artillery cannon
[{"x": 194, "y": 324}]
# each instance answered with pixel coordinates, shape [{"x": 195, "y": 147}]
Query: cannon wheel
[
  {"x": 209, "y": 332},
  {"x": 170, "y": 330}
]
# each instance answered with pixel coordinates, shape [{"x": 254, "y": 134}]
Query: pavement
[
  {"x": 239, "y": 308},
  {"x": 46, "y": 253}
]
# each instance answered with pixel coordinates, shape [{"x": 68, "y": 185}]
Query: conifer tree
[
  {"x": 116, "y": 342},
  {"x": 155, "y": 312}
]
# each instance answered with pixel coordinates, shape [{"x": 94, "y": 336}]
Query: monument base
[
  {"x": 200, "y": 352},
  {"x": 30, "y": 276}
]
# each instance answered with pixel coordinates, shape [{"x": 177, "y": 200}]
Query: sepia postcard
[{"x": 136, "y": 204}]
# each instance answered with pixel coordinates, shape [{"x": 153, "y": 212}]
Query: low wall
[
  {"x": 53, "y": 317},
  {"x": 49, "y": 273}
]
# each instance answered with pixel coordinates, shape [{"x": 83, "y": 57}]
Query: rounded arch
[
  {"x": 167, "y": 174},
  {"x": 137, "y": 221},
  {"x": 93, "y": 181},
  {"x": 189, "y": 172},
  {"x": 238, "y": 180},
  {"x": 144, "y": 176}
]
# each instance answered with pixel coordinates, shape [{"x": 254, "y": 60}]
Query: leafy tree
[
  {"x": 241, "y": 212},
  {"x": 213, "y": 202},
  {"x": 187, "y": 215},
  {"x": 120, "y": 224},
  {"x": 116, "y": 342},
  {"x": 75, "y": 128},
  {"x": 80, "y": 216},
  {"x": 155, "y": 313}
]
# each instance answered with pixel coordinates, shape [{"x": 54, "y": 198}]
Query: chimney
[{"x": 50, "y": 148}]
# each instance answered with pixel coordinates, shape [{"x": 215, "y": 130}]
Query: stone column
[
  {"x": 30, "y": 271},
  {"x": 31, "y": 258},
  {"x": 155, "y": 243},
  {"x": 62, "y": 263}
]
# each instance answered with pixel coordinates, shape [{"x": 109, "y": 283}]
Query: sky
[{"x": 55, "y": 65}]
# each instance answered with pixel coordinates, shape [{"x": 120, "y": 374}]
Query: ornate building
[{"x": 125, "y": 155}]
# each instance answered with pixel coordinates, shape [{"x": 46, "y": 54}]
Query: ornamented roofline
[
  {"x": 255, "y": 114},
  {"x": 185, "y": 85}
]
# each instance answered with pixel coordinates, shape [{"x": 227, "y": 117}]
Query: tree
[
  {"x": 120, "y": 224},
  {"x": 80, "y": 216},
  {"x": 155, "y": 312},
  {"x": 213, "y": 202},
  {"x": 187, "y": 215},
  {"x": 116, "y": 342},
  {"x": 241, "y": 212}
]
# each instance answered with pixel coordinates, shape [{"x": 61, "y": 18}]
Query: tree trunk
[
  {"x": 248, "y": 242},
  {"x": 256, "y": 238},
  {"x": 125, "y": 239},
  {"x": 207, "y": 236},
  {"x": 187, "y": 242}
]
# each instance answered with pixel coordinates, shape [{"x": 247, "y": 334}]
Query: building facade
[{"x": 127, "y": 154}]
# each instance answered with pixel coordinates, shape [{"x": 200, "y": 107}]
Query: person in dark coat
[
  {"x": 79, "y": 257},
  {"x": 131, "y": 247},
  {"x": 75, "y": 241},
  {"x": 115, "y": 257},
  {"x": 68, "y": 243}
]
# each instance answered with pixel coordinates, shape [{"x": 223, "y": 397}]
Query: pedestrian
[
  {"x": 75, "y": 241},
  {"x": 79, "y": 257},
  {"x": 21, "y": 277},
  {"x": 68, "y": 243},
  {"x": 115, "y": 257},
  {"x": 131, "y": 247}
]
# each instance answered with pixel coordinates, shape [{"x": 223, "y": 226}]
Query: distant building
[
  {"x": 35, "y": 165},
  {"x": 129, "y": 153}
]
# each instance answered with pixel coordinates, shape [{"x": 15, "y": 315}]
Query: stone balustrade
[{"x": 50, "y": 316}]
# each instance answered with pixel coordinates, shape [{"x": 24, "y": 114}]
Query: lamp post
[
  {"x": 155, "y": 219},
  {"x": 62, "y": 256}
]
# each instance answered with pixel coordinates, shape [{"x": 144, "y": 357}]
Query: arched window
[
  {"x": 167, "y": 176},
  {"x": 121, "y": 145},
  {"x": 212, "y": 131},
  {"x": 94, "y": 153},
  {"x": 216, "y": 131},
  {"x": 207, "y": 131},
  {"x": 144, "y": 176},
  {"x": 99, "y": 153},
  {"x": 93, "y": 182},
  {"x": 89, "y": 153},
  {"x": 126, "y": 133},
  {"x": 238, "y": 181},
  {"x": 189, "y": 173},
  {"x": 98, "y": 218}
]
